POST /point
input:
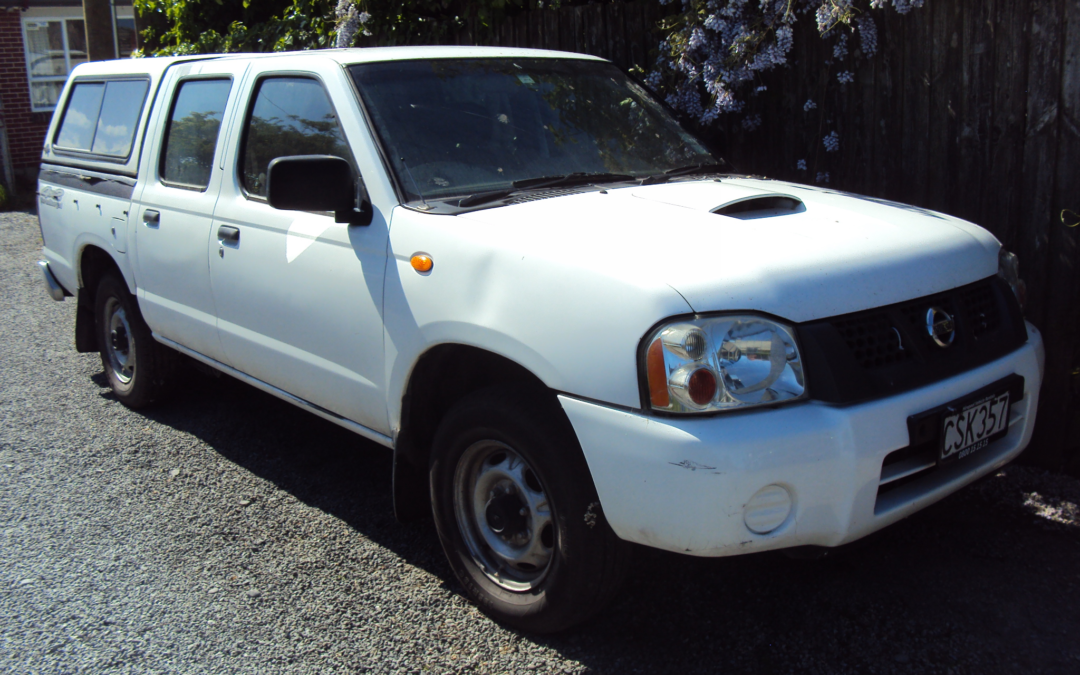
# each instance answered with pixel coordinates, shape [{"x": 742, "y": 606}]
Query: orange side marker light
[{"x": 422, "y": 263}]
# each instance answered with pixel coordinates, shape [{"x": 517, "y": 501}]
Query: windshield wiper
[
  {"x": 684, "y": 171},
  {"x": 483, "y": 198},
  {"x": 541, "y": 182},
  {"x": 575, "y": 178}
]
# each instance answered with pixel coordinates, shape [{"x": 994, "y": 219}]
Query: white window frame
[{"x": 30, "y": 78}]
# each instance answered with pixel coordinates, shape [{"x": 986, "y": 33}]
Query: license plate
[{"x": 970, "y": 427}]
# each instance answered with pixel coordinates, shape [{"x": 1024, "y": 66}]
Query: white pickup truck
[{"x": 572, "y": 324}]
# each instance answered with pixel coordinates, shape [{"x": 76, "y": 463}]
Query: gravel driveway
[{"x": 229, "y": 532}]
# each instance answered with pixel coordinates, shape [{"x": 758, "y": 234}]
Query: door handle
[
  {"x": 151, "y": 218},
  {"x": 227, "y": 234}
]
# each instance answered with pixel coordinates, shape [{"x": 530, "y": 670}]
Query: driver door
[{"x": 299, "y": 296}]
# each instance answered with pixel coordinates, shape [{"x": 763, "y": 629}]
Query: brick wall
[{"x": 25, "y": 129}]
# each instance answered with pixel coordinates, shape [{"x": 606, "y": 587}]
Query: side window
[
  {"x": 192, "y": 133},
  {"x": 101, "y": 117},
  {"x": 119, "y": 114},
  {"x": 80, "y": 118},
  {"x": 291, "y": 116}
]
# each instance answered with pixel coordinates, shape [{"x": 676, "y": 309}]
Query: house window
[
  {"x": 125, "y": 37},
  {"x": 53, "y": 48}
]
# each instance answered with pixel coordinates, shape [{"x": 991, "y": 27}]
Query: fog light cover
[{"x": 767, "y": 509}]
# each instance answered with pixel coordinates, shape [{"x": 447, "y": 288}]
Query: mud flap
[
  {"x": 412, "y": 496},
  {"x": 85, "y": 328}
]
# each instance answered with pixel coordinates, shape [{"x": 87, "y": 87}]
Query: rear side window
[
  {"x": 101, "y": 117},
  {"x": 80, "y": 119},
  {"x": 291, "y": 116},
  {"x": 192, "y": 133}
]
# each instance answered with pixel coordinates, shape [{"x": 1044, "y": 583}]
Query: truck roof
[{"x": 158, "y": 64}]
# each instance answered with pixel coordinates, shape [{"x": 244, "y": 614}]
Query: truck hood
[{"x": 833, "y": 253}]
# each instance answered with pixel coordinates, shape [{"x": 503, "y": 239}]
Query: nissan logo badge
[{"x": 941, "y": 327}]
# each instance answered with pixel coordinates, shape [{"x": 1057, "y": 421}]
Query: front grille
[{"x": 886, "y": 350}]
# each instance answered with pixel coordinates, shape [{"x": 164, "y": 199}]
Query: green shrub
[{"x": 3, "y": 197}]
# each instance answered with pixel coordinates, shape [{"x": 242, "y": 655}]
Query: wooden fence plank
[
  {"x": 1063, "y": 298},
  {"x": 551, "y": 30},
  {"x": 595, "y": 35},
  {"x": 1040, "y": 146},
  {"x": 974, "y": 108},
  {"x": 866, "y": 123},
  {"x": 637, "y": 34},
  {"x": 939, "y": 96},
  {"x": 915, "y": 111},
  {"x": 890, "y": 102},
  {"x": 536, "y": 29},
  {"x": 1040, "y": 162},
  {"x": 1003, "y": 201},
  {"x": 616, "y": 35}
]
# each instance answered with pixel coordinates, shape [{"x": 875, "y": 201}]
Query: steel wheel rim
[
  {"x": 119, "y": 345},
  {"x": 504, "y": 515}
]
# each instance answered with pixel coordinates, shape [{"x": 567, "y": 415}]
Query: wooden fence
[{"x": 970, "y": 107}]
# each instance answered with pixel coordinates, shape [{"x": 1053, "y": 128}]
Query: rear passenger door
[
  {"x": 299, "y": 296},
  {"x": 180, "y": 178}
]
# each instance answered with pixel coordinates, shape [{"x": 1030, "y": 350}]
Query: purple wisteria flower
[{"x": 719, "y": 49}]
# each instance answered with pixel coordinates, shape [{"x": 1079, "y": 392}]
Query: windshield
[{"x": 456, "y": 127}]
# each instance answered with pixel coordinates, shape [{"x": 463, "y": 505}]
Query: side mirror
[{"x": 318, "y": 183}]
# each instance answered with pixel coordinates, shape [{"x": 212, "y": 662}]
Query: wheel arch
[
  {"x": 441, "y": 377},
  {"x": 94, "y": 263}
]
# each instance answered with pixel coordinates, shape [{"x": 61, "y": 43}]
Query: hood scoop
[
  {"x": 761, "y": 206},
  {"x": 744, "y": 202}
]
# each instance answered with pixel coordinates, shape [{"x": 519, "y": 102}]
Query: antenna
[{"x": 415, "y": 185}]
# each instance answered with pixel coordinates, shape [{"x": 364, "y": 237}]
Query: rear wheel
[
  {"x": 518, "y": 515},
  {"x": 140, "y": 370}
]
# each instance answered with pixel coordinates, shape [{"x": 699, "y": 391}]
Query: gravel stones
[{"x": 125, "y": 546}]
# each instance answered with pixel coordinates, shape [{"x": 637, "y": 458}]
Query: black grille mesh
[
  {"x": 876, "y": 352},
  {"x": 881, "y": 338},
  {"x": 873, "y": 340},
  {"x": 980, "y": 310}
]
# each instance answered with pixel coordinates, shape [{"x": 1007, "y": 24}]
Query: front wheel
[
  {"x": 518, "y": 515},
  {"x": 139, "y": 369}
]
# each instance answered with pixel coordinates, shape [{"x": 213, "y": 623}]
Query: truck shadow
[{"x": 976, "y": 583}]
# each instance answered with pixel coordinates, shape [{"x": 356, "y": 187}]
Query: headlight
[
  {"x": 1009, "y": 270},
  {"x": 722, "y": 363}
]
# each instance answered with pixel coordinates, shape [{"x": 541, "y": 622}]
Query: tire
[
  {"x": 140, "y": 370},
  {"x": 518, "y": 515}
]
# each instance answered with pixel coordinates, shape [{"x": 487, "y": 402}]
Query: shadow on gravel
[
  {"x": 317, "y": 462},
  {"x": 986, "y": 581}
]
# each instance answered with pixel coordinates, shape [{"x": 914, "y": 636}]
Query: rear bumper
[
  {"x": 56, "y": 291},
  {"x": 683, "y": 484}
]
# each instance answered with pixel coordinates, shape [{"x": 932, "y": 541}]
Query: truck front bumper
[{"x": 684, "y": 484}]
